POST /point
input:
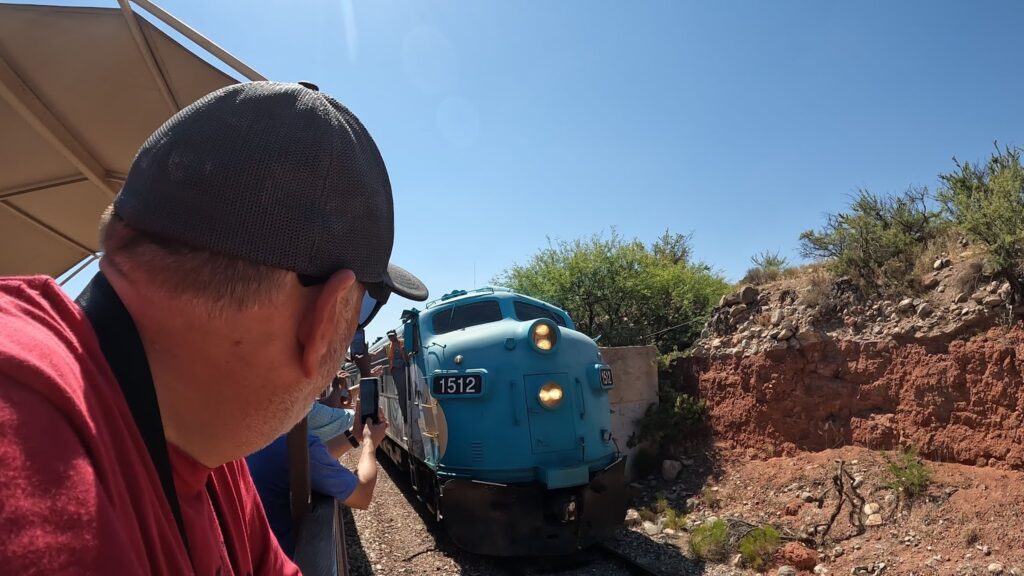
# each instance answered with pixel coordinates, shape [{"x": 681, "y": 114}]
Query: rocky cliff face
[{"x": 937, "y": 372}]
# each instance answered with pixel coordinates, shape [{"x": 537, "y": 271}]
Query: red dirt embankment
[{"x": 960, "y": 401}]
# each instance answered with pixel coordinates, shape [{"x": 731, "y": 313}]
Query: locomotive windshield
[
  {"x": 526, "y": 311},
  {"x": 472, "y": 314}
]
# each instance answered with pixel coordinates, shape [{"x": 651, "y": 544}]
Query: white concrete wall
[{"x": 635, "y": 370}]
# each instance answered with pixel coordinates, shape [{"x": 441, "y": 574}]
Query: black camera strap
[{"x": 119, "y": 340}]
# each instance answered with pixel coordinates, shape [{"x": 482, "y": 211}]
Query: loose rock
[
  {"x": 632, "y": 517},
  {"x": 670, "y": 469},
  {"x": 873, "y": 520},
  {"x": 798, "y": 555},
  {"x": 786, "y": 571},
  {"x": 748, "y": 294},
  {"x": 651, "y": 528},
  {"x": 995, "y": 568}
]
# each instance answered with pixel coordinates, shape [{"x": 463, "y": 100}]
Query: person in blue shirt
[{"x": 269, "y": 470}]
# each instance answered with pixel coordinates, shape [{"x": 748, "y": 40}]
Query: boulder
[
  {"x": 905, "y": 305},
  {"x": 798, "y": 555},
  {"x": 786, "y": 571},
  {"x": 872, "y": 508},
  {"x": 807, "y": 337},
  {"x": 748, "y": 294},
  {"x": 924, "y": 310},
  {"x": 941, "y": 263},
  {"x": 873, "y": 520},
  {"x": 992, "y": 301},
  {"x": 729, "y": 300},
  {"x": 670, "y": 469},
  {"x": 738, "y": 310},
  {"x": 777, "y": 317},
  {"x": 929, "y": 282}
]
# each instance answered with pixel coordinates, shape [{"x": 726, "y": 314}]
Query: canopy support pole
[
  {"x": 21, "y": 98},
  {"x": 46, "y": 228},
  {"x": 147, "y": 54},
  {"x": 37, "y": 186},
  {"x": 78, "y": 269},
  {"x": 199, "y": 39}
]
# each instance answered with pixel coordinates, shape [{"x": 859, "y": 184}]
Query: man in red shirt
[{"x": 251, "y": 238}]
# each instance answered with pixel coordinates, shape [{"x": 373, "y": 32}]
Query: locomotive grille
[{"x": 476, "y": 451}]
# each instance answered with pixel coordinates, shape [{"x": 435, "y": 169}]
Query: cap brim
[{"x": 403, "y": 283}]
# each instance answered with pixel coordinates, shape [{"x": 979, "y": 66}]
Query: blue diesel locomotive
[{"x": 499, "y": 412}]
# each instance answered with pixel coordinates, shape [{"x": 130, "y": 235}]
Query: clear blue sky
[{"x": 503, "y": 123}]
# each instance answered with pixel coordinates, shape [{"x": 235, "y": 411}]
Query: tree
[
  {"x": 622, "y": 290},
  {"x": 878, "y": 240},
  {"x": 987, "y": 202}
]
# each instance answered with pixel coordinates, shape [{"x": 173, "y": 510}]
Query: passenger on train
[{"x": 269, "y": 470}]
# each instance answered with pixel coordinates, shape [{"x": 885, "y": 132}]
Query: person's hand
[
  {"x": 375, "y": 432},
  {"x": 377, "y": 370}
]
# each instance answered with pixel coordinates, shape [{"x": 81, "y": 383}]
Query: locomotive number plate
[
  {"x": 458, "y": 384},
  {"x": 606, "y": 378}
]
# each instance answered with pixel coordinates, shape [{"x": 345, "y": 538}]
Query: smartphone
[
  {"x": 358, "y": 347},
  {"x": 369, "y": 399}
]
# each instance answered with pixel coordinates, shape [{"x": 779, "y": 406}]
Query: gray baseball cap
[{"x": 276, "y": 174}]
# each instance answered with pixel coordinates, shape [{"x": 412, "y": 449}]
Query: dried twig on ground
[{"x": 842, "y": 485}]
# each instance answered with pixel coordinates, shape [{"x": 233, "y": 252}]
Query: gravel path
[{"x": 397, "y": 537}]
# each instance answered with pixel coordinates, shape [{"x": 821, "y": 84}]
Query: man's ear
[{"x": 319, "y": 327}]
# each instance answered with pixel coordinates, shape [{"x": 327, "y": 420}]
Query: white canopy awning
[{"x": 80, "y": 90}]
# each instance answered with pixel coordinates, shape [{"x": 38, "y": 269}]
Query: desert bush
[
  {"x": 818, "y": 287},
  {"x": 878, "y": 240},
  {"x": 906, "y": 473},
  {"x": 758, "y": 547},
  {"x": 971, "y": 536},
  {"x": 767, "y": 267},
  {"x": 674, "y": 419},
  {"x": 710, "y": 540},
  {"x": 987, "y": 202},
  {"x": 709, "y": 498}
]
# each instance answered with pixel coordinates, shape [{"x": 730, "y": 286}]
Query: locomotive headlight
[
  {"x": 544, "y": 336},
  {"x": 550, "y": 395}
]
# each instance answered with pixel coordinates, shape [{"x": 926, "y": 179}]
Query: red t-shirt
[{"x": 78, "y": 492}]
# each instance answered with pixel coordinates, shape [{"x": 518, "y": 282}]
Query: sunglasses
[{"x": 374, "y": 298}]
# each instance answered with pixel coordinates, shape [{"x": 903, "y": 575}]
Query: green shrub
[
  {"x": 758, "y": 547},
  {"x": 709, "y": 541},
  {"x": 987, "y": 202},
  {"x": 767, "y": 267},
  {"x": 665, "y": 360},
  {"x": 675, "y": 418},
  {"x": 906, "y": 473},
  {"x": 648, "y": 515},
  {"x": 878, "y": 241},
  {"x": 674, "y": 520}
]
